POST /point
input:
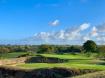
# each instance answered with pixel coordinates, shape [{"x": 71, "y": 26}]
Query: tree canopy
[{"x": 89, "y": 46}]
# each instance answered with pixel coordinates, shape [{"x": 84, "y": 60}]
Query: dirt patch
[
  {"x": 36, "y": 59},
  {"x": 13, "y": 61}
]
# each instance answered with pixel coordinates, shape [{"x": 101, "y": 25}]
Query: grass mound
[{"x": 100, "y": 74}]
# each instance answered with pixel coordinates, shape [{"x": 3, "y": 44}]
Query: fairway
[
  {"x": 12, "y": 55},
  {"x": 75, "y": 61},
  {"x": 64, "y": 65},
  {"x": 67, "y": 56}
]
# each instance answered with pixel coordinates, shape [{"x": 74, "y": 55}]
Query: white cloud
[
  {"x": 85, "y": 38},
  {"x": 101, "y": 28},
  {"x": 60, "y": 34},
  {"x": 42, "y": 35},
  {"x": 84, "y": 26},
  {"x": 94, "y": 32},
  {"x": 76, "y": 35},
  {"x": 55, "y": 23},
  {"x": 66, "y": 35},
  {"x": 72, "y": 35}
]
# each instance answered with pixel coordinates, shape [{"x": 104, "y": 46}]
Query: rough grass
[
  {"x": 100, "y": 74},
  {"x": 10, "y": 72}
]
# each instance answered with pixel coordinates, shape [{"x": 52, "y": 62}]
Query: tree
[
  {"x": 46, "y": 49},
  {"x": 90, "y": 46},
  {"x": 101, "y": 51},
  {"x": 3, "y": 50}
]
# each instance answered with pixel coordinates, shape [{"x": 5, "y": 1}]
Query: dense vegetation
[{"x": 88, "y": 48}]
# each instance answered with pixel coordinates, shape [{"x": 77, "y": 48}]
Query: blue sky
[{"x": 25, "y": 18}]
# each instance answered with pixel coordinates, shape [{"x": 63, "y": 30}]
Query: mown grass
[
  {"x": 64, "y": 65},
  {"x": 68, "y": 56},
  {"x": 12, "y": 55},
  {"x": 79, "y": 61},
  {"x": 75, "y": 61}
]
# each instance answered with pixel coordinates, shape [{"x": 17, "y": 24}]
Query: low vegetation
[
  {"x": 10, "y": 72},
  {"x": 100, "y": 74}
]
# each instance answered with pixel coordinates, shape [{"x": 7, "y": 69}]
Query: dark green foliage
[
  {"x": 10, "y": 72},
  {"x": 90, "y": 46},
  {"x": 74, "y": 49},
  {"x": 101, "y": 49},
  {"x": 101, "y": 52},
  {"x": 67, "y": 49},
  {"x": 43, "y": 59},
  {"x": 3, "y": 50},
  {"x": 46, "y": 49}
]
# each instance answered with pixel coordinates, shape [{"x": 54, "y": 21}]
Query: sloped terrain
[
  {"x": 10, "y": 72},
  {"x": 100, "y": 74}
]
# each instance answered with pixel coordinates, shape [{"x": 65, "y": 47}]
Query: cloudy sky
[{"x": 52, "y": 21}]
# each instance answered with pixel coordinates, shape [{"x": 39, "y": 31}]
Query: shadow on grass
[
  {"x": 9, "y": 72},
  {"x": 43, "y": 59}
]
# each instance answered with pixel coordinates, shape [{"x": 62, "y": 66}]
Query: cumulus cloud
[
  {"x": 60, "y": 34},
  {"x": 76, "y": 33},
  {"x": 85, "y": 38},
  {"x": 101, "y": 28},
  {"x": 84, "y": 26},
  {"x": 67, "y": 35},
  {"x": 42, "y": 35},
  {"x": 94, "y": 31},
  {"x": 73, "y": 35},
  {"x": 55, "y": 23}
]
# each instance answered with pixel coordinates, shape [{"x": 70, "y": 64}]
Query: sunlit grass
[
  {"x": 65, "y": 65},
  {"x": 68, "y": 56},
  {"x": 79, "y": 61},
  {"x": 12, "y": 55},
  {"x": 75, "y": 61}
]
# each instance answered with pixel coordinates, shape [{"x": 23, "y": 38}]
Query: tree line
[{"x": 88, "y": 46}]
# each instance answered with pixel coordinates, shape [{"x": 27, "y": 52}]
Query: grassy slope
[
  {"x": 100, "y": 74},
  {"x": 67, "y": 56},
  {"x": 12, "y": 55},
  {"x": 67, "y": 65}
]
